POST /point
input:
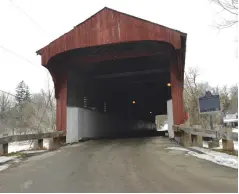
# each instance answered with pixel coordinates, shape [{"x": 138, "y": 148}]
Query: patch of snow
[
  {"x": 164, "y": 128},
  {"x": 235, "y": 145},
  {"x": 3, "y": 167},
  {"x": 46, "y": 143},
  {"x": 218, "y": 157},
  {"x": 18, "y": 146},
  {"x": 205, "y": 144},
  {"x": 235, "y": 130},
  {"x": 220, "y": 145},
  {"x": 178, "y": 148},
  {"x": 4, "y": 159},
  {"x": 213, "y": 156},
  {"x": 25, "y": 145}
]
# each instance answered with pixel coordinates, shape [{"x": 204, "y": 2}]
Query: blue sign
[{"x": 209, "y": 103}]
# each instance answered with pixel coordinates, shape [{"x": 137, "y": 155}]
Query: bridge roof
[{"x": 109, "y": 26}]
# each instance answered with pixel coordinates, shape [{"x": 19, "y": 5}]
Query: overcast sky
[{"x": 213, "y": 52}]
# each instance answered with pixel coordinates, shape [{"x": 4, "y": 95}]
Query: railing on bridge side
[
  {"x": 193, "y": 136},
  {"x": 38, "y": 144}
]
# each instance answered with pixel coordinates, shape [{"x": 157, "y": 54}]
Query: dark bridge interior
[{"x": 135, "y": 88}]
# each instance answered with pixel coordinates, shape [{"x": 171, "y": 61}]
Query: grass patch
[
  {"x": 19, "y": 154},
  {"x": 234, "y": 152}
]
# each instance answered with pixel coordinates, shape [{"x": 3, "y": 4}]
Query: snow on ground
[
  {"x": 205, "y": 145},
  {"x": 210, "y": 155},
  {"x": 235, "y": 130},
  {"x": 19, "y": 146},
  {"x": 217, "y": 157},
  {"x": 4, "y": 159},
  {"x": 235, "y": 145},
  {"x": 3, "y": 167},
  {"x": 25, "y": 145},
  {"x": 163, "y": 128}
]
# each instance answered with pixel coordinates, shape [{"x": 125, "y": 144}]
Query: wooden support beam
[
  {"x": 197, "y": 140},
  {"x": 3, "y": 149},
  {"x": 186, "y": 139},
  {"x": 227, "y": 145}
]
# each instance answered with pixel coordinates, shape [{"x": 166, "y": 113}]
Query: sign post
[
  {"x": 209, "y": 104},
  {"x": 211, "y": 123}
]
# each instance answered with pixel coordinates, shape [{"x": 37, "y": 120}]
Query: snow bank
[
  {"x": 217, "y": 157},
  {"x": 3, "y": 167},
  {"x": 4, "y": 159},
  {"x": 213, "y": 156}
]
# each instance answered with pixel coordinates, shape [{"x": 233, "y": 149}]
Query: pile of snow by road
[
  {"x": 210, "y": 155},
  {"x": 4, "y": 159}
]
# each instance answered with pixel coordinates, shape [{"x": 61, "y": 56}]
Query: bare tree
[
  {"x": 5, "y": 104},
  {"x": 192, "y": 91},
  {"x": 44, "y": 110},
  {"x": 230, "y": 7},
  {"x": 234, "y": 99},
  {"x": 224, "y": 98}
]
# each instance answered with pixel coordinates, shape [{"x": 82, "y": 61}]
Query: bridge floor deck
[{"x": 118, "y": 165}]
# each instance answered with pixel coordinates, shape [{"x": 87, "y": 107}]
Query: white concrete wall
[
  {"x": 170, "y": 118},
  {"x": 73, "y": 116},
  {"x": 84, "y": 123}
]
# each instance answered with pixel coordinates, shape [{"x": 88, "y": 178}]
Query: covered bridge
[{"x": 112, "y": 71}]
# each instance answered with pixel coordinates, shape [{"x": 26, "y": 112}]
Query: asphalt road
[{"x": 123, "y": 165}]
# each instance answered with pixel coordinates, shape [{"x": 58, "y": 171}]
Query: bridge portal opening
[
  {"x": 136, "y": 88},
  {"x": 117, "y": 97}
]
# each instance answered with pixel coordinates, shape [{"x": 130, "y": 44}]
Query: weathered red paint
[{"x": 108, "y": 27}]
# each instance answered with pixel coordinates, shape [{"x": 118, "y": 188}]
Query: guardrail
[
  {"x": 38, "y": 144},
  {"x": 192, "y": 136}
]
